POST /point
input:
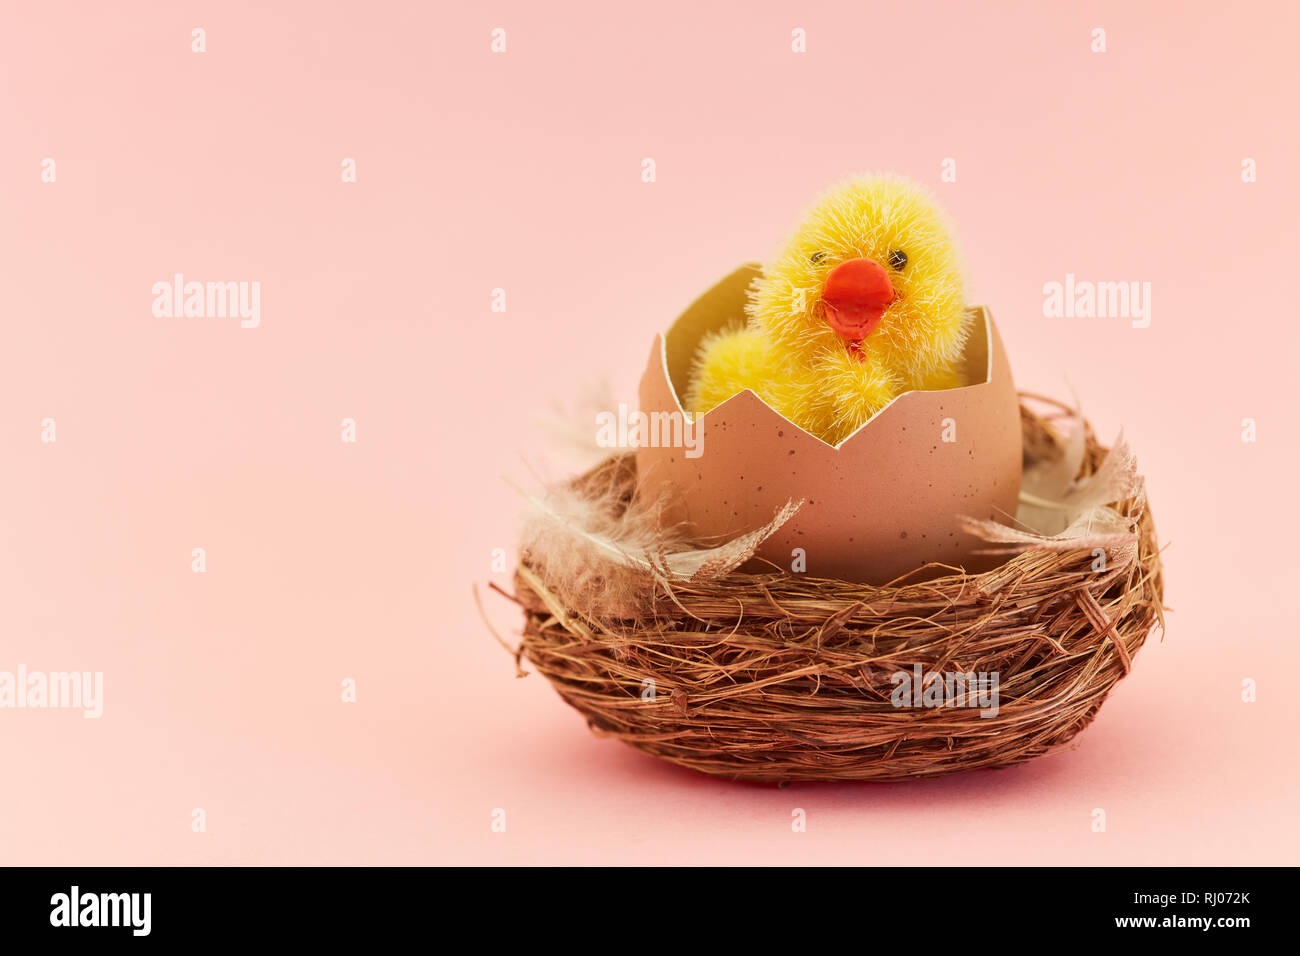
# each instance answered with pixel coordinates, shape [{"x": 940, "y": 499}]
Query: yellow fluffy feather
[{"x": 863, "y": 303}]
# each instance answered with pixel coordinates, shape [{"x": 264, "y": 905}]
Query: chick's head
[{"x": 871, "y": 274}]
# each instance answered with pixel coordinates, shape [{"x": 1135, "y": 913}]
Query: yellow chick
[{"x": 862, "y": 304}]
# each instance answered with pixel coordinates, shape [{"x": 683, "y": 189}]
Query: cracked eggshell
[{"x": 882, "y": 504}]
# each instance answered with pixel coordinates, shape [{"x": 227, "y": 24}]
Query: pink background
[{"x": 522, "y": 171}]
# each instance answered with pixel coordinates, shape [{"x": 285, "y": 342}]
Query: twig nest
[{"x": 781, "y": 676}]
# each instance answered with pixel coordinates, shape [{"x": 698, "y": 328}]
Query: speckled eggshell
[{"x": 882, "y": 504}]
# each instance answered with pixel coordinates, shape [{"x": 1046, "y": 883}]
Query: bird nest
[{"x": 782, "y": 677}]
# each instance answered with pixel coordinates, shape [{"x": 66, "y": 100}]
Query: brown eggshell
[{"x": 882, "y": 504}]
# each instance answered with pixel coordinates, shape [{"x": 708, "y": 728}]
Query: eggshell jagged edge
[{"x": 881, "y": 504}]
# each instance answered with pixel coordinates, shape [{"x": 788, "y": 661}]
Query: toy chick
[{"x": 862, "y": 304}]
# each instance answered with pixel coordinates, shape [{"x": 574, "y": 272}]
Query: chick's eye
[
  {"x": 816, "y": 257},
  {"x": 898, "y": 258}
]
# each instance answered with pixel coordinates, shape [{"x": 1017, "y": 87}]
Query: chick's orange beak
[{"x": 856, "y": 295}]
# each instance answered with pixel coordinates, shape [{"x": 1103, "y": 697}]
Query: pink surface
[{"x": 329, "y": 560}]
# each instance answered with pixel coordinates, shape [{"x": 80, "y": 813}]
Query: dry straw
[{"x": 782, "y": 677}]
